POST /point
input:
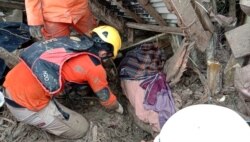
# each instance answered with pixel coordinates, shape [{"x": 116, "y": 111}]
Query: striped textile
[{"x": 143, "y": 61}]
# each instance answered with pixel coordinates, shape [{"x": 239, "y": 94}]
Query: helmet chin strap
[
  {"x": 95, "y": 50},
  {"x": 106, "y": 57}
]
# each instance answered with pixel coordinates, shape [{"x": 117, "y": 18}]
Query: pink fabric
[
  {"x": 54, "y": 55},
  {"x": 135, "y": 94},
  {"x": 57, "y": 56}
]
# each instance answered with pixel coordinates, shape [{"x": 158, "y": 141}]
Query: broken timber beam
[
  {"x": 163, "y": 29},
  {"x": 151, "y": 10},
  {"x": 131, "y": 35},
  {"x": 203, "y": 16},
  {"x": 190, "y": 22},
  {"x": 129, "y": 12},
  {"x": 12, "y": 4},
  {"x": 143, "y": 41},
  {"x": 104, "y": 14}
]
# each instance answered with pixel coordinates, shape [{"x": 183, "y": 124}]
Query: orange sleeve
[
  {"x": 34, "y": 12},
  {"x": 97, "y": 80},
  {"x": 111, "y": 102}
]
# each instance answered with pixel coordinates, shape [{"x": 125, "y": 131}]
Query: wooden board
[
  {"x": 239, "y": 40},
  {"x": 152, "y": 12},
  {"x": 104, "y": 14},
  {"x": 190, "y": 22}
]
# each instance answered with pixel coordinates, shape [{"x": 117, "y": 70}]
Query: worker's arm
[
  {"x": 107, "y": 98},
  {"x": 34, "y": 12},
  {"x": 97, "y": 80}
]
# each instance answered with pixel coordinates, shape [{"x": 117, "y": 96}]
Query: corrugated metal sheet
[{"x": 159, "y": 6}]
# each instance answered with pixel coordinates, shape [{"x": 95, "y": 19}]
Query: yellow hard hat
[{"x": 109, "y": 35}]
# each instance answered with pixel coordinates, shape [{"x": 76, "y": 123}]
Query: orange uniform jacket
[
  {"x": 28, "y": 92},
  {"x": 64, "y": 11}
]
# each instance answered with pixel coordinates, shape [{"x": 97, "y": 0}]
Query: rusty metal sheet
[{"x": 239, "y": 40}]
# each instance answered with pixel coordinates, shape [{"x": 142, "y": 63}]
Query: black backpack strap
[
  {"x": 64, "y": 114},
  {"x": 9, "y": 101},
  {"x": 12, "y": 103}
]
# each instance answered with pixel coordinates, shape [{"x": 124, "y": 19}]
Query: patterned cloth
[
  {"x": 141, "y": 62},
  {"x": 158, "y": 97},
  {"x": 145, "y": 85}
]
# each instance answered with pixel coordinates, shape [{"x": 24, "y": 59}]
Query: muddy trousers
[{"x": 52, "y": 121}]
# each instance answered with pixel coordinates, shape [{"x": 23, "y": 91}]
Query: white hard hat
[{"x": 205, "y": 123}]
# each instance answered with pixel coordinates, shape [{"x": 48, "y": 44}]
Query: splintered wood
[
  {"x": 106, "y": 15},
  {"x": 190, "y": 22},
  {"x": 213, "y": 76},
  {"x": 176, "y": 65}
]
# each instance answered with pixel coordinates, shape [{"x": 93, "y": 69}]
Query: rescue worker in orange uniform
[
  {"x": 53, "y": 18},
  {"x": 44, "y": 69}
]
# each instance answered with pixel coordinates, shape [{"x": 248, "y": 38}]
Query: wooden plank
[
  {"x": 239, "y": 40},
  {"x": 143, "y": 41},
  {"x": 163, "y": 29},
  {"x": 104, "y": 14},
  {"x": 129, "y": 12},
  {"x": 232, "y": 8},
  {"x": 213, "y": 76},
  {"x": 131, "y": 35},
  {"x": 190, "y": 22},
  {"x": 150, "y": 9},
  {"x": 12, "y": 4},
  {"x": 203, "y": 16}
]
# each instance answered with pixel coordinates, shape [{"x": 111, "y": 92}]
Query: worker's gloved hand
[
  {"x": 35, "y": 32},
  {"x": 119, "y": 109}
]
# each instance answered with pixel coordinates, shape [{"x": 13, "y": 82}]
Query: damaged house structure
[{"x": 175, "y": 19}]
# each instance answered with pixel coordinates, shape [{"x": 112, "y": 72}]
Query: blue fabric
[{"x": 12, "y": 36}]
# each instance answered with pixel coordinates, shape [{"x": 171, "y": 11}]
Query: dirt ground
[
  {"x": 105, "y": 126},
  {"x": 112, "y": 127},
  {"x": 109, "y": 126}
]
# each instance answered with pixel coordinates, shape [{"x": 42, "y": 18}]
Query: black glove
[{"x": 35, "y": 32}]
